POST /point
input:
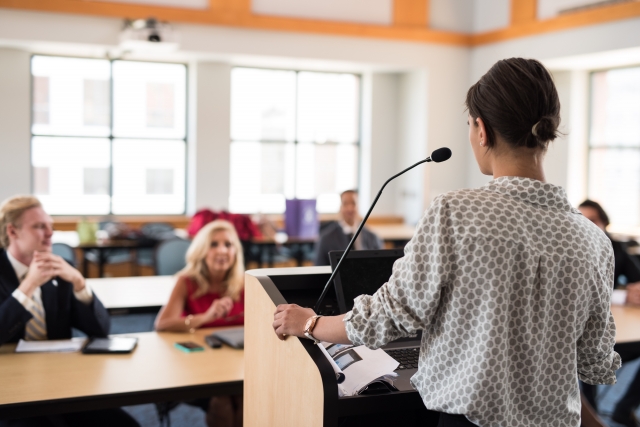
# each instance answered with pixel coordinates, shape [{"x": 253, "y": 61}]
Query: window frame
[
  {"x": 111, "y": 138},
  {"x": 295, "y": 141},
  {"x": 589, "y": 125}
]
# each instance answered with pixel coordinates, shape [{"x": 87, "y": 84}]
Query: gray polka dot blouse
[{"x": 511, "y": 286}]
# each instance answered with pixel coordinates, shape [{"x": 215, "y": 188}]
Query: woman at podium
[
  {"x": 209, "y": 292},
  {"x": 509, "y": 283}
]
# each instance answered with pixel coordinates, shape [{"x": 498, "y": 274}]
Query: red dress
[{"x": 202, "y": 303}]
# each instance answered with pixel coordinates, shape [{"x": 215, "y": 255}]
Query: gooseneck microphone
[{"x": 439, "y": 155}]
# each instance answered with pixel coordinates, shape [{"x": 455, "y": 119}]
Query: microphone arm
[{"x": 355, "y": 236}]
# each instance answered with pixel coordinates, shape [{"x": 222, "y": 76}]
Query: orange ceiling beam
[
  {"x": 523, "y": 11},
  {"x": 411, "y": 13},
  {"x": 410, "y": 19},
  {"x": 528, "y": 27},
  {"x": 237, "y": 13}
]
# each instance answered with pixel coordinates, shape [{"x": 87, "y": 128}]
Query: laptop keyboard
[{"x": 408, "y": 357}]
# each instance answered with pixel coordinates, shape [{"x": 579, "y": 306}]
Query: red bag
[{"x": 245, "y": 228}]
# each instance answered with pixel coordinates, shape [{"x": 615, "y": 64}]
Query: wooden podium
[{"x": 290, "y": 383}]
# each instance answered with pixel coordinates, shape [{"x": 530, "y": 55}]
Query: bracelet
[{"x": 187, "y": 322}]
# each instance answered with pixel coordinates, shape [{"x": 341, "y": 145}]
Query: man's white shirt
[
  {"x": 85, "y": 296},
  {"x": 347, "y": 230}
]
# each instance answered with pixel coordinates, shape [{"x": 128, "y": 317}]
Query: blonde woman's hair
[
  {"x": 197, "y": 269},
  {"x": 11, "y": 211}
]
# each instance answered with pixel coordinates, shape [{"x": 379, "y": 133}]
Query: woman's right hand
[{"x": 219, "y": 308}]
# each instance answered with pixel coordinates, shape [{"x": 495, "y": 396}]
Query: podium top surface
[{"x": 289, "y": 271}]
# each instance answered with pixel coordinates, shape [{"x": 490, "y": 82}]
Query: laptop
[
  {"x": 232, "y": 337},
  {"x": 364, "y": 272}
]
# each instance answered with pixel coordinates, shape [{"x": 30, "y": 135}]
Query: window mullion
[{"x": 111, "y": 140}]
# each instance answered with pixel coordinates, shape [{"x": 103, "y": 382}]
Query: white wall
[
  {"x": 579, "y": 41},
  {"x": 552, "y": 8},
  {"x": 366, "y": 11},
  {"x": 557, "y": 158},
  {"x": 424, "y": 84},
  {"x": 439, "y": 91},
  {"x": 576, "y": 116},
  {"x": 209, "y": 148},
  {"x": 489, "y": 15},
  {"x": 380, "y": 141},
  {"x": 451, "y": 15},
  {"x": 412, "y": 107},
  {"x": 15, "y": 122},
  {"x": 469, "y": 16},
  {"x": 446, "y": 128}
]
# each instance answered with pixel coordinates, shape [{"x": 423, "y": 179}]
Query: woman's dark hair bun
[
  {"x": 544, "y": 131},
  {"x": 517, "y": 100}
]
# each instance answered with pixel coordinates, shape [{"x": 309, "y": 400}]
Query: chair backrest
[
  {"x": 170, "y": 256},
  {"x": 158, "y": 231},
  {"x": 65, "y": 251}
]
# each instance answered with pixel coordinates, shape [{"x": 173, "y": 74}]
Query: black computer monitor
[{"x": 362, "y": 272}]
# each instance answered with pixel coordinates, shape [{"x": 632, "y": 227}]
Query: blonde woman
[
  {"x": 210, "y": 292},
  {"x": 210, "y": 289}
]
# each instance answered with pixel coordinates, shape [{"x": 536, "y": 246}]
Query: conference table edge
[{"x": 103, "y": 401}]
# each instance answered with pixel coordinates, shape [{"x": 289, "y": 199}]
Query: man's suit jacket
[
  {"x": 332, "y": 238},
  {"x": 62, "y": 310}
]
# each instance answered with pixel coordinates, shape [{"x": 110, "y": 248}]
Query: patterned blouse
[{"x": 511, "y": 286}]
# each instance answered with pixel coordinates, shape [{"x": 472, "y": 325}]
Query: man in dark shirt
[
  {"x": 336, "y": 236},
  {"x": 627, "y": 272},
  {"x": 627, "y": 268}
]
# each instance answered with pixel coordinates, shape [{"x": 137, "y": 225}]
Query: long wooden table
[
  {"x": 393, "y": 235},
  {"x": 133, "y": 294},
  {"x": 49, "y": 383},
  {"x": 627, "y": 320},
  {"x": 156, "y": 371}
]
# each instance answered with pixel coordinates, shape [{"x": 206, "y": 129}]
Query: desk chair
[
  {"x": 66, "y": 252},
  {"x": 170, "y": 256},
  {"x": 113, "y": 256},
  {"x": 156, "y": 232}
]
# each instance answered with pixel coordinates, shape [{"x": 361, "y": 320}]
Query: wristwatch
[{"x": 308, "y": 328}]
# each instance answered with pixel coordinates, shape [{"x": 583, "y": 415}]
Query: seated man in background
[
  {"x": 42, "y": 297},
  {"x": 626, "y": 272},
  {"x": 336, "y": 236},
  {"x": 627, "y": 269}
]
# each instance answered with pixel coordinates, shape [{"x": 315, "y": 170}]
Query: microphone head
[{"x": 440, "y": 155}]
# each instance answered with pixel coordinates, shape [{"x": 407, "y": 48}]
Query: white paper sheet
[
  {"x": 50, "y": 346},
  {"x": 619, "y": 297},
  {"x": 336, "y": 369},
  {"x": 359, "y": 366},
  {"x": 373, "y": 365}
]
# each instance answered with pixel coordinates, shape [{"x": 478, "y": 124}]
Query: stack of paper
[
  {"x": 357, "y": 367},
  {"x": 50, "y": 346}
]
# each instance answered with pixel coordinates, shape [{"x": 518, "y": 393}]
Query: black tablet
[
  {"x": 111, "y": 345},
  {"x": 233, "y": 337}
]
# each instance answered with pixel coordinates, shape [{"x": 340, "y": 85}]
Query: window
[
  {"x": 614, "y": 144},
  {"x": 108, "y": 137},
  {"x": 293, "y": 135}
]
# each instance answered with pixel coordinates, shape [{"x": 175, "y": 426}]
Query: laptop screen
[{"x": 362, "y": 272}]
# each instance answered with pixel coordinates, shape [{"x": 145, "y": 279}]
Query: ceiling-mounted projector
[{"x": 148, "y": 35}]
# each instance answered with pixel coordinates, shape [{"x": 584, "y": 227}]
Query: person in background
[
  {"x": 209, "y": 292},
  {"x": 513, "y": 312},
  {"x": 627, "y": 272},
  {"x": 42, "y": 297},
  {"x": 336, "y": 236},
  {"x": 627, "y": 269}
]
